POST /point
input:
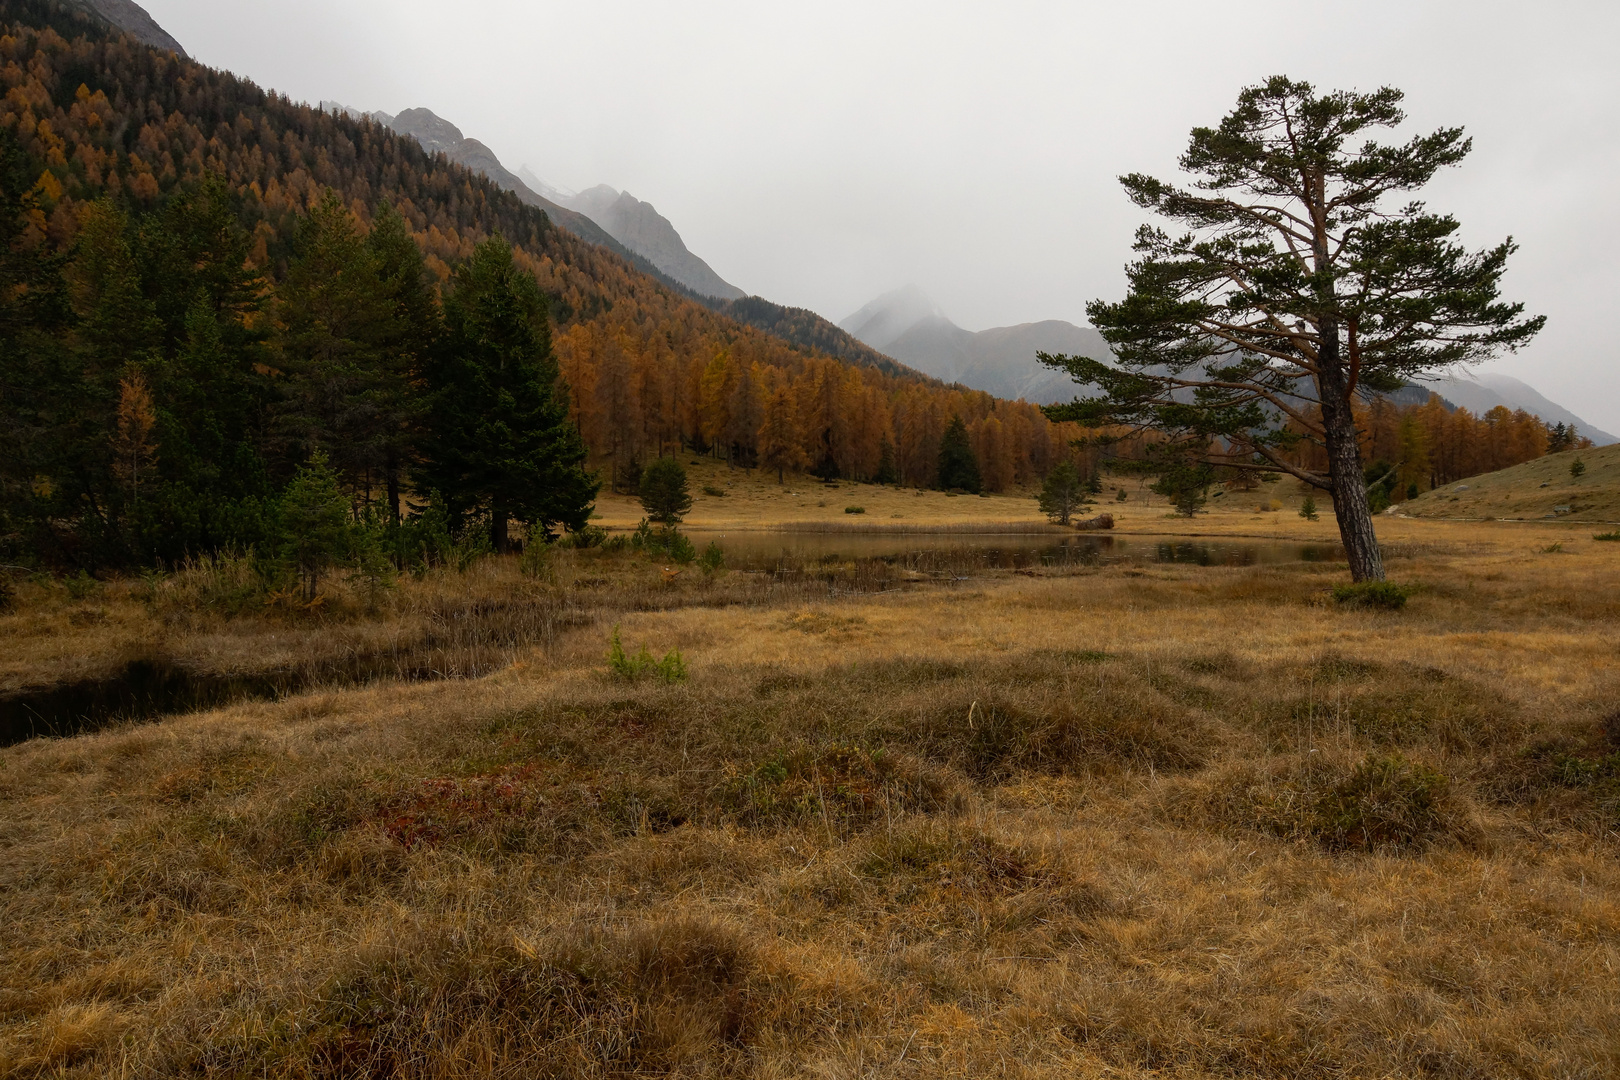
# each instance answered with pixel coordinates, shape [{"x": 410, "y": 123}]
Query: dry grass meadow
[{"x": 1096, "y": 821}]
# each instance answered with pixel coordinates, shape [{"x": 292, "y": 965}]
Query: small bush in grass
[
  {"x": 671, "y": 669},
  {"x": 714, "y": 492},
  {"x": 1307, "y": 509},
  {"x": 589, "y": 537},
  {"x": 1373, "y": 594},
  {"x": 854, "y": 509},
  {"x": 1608, "y": 535},
  {"x": 535, "y": 562},
  {"x": 1385, "y": 802},
  {"x": 665, "y": 540},
  {"x": 81, "y": 585},
  {"x": 1577, "y": 469},
  {"x": 713, "y": 559}
]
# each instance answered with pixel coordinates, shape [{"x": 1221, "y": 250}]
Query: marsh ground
[{"x": 1092, "y": 821}]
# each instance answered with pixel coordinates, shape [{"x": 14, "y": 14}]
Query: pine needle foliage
[{"x": 1293, "y": 280}]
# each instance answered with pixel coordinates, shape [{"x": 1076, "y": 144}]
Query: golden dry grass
[{"x": 1166, "y": 821}]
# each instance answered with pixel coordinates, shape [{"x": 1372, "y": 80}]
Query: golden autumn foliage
[
  {"x": 649, "y": 370},
  {"x": 1431, "y": 445}
]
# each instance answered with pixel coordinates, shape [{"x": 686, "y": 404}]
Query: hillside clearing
[{"x": 1537, "y": 490}]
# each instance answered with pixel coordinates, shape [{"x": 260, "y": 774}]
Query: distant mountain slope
[
  {"x": 642, "y": 229},
  {"x": 616, "y": 220},
  {"x": 807, "y": 330},
  {"x": 907, "y": 325},
  {"x": 891, "y": 315},
  {"x": 1483, "y": 392},
  {"x": 438, "y": 135},
  {"x": 133, "y": 20}
]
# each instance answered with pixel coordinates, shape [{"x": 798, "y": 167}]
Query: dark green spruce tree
[
  {"x": 958, "y": 464},
  {"x": 36, "y": 376},
  {"x": 332, "y": 319},
  {"x": 1297, "y": 278},
  {"x": 404, "y": 347},
  {"x": 664, "y": 491},
  {"x": 500, "y": 442},
  {"x": 208, "y": 378}
]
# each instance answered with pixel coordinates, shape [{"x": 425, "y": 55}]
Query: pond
[
  {"x": 150, "y": 689},
  {"x": 1007, "y": 551}
]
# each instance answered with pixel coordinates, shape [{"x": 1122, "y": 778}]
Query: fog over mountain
[
  {"x": 907, "y": 325},
  {"x": 822, "y": 154},
  {"x": 642, "y": 229},
  {"x": 1480, "y": 392},
  {"x": 599, "y": 214}
]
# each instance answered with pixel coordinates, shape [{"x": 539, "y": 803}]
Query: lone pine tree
[
  {"x": 1296, "y": 284},
  {"x": 664, "y": 494},
  {"x": 1062, "y": 493}
]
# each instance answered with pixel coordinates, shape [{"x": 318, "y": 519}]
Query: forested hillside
[{"x": 191, "y": 190}]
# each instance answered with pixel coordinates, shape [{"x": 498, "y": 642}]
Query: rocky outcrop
[
  {"x": 133, "y": 20},
  {"x": 642, "y": 229}
]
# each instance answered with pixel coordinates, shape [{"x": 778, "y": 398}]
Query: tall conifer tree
[
  {"x": 958, "y": 464},
  {"x": 501, "y": 442},
  {"x": 1298, "y": 282}
]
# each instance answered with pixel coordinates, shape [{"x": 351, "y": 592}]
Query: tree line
[
  {"x": 160, "y": 394},
  {"x": 1410, "y": 449}
]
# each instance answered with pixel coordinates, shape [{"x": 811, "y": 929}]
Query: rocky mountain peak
[
  {"x": 436, "y": 134},
  {"x": 133, "y": 20}
]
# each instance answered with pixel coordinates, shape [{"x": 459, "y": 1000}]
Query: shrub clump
[
  {"x": 840, "y": 785},
  {"x": 1385, "y": 802},
  {"x": 1384, "y": 595},
  {"x": 666, "y": 540},
  {"x": 854, "y": 509},
  {"x": 671, "y": 669}
]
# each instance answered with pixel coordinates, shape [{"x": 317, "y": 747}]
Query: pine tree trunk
[
  {"x": 1350, "y": 505},
  {"x": 393, "y": 490},
  {"x": 498, "y": 538}
]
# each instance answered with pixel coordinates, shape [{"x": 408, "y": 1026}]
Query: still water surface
[{"x": 1007, "y": 551}]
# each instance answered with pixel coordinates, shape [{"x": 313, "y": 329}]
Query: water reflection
[{"x": 1015, "y": 551}]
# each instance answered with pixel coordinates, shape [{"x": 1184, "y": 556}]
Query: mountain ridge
[
  {"x": 135, "y": 21},
  {"x": 641, "y": 228},
  {"x": 601, "y": 214},
  {"x": 908, "y": 326}
]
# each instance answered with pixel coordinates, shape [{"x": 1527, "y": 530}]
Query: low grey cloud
[{"x": 819, "y": 154}]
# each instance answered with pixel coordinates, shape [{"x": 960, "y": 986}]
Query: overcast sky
[{"x": 818, "y": 154}]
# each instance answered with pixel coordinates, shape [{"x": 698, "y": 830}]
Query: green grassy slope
[{"x": 1536, "y": 489}]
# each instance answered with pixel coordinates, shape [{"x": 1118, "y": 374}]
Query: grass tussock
[
  {"x": 1380, "y": 803},
  {"x": 1189, "y": 822}
]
